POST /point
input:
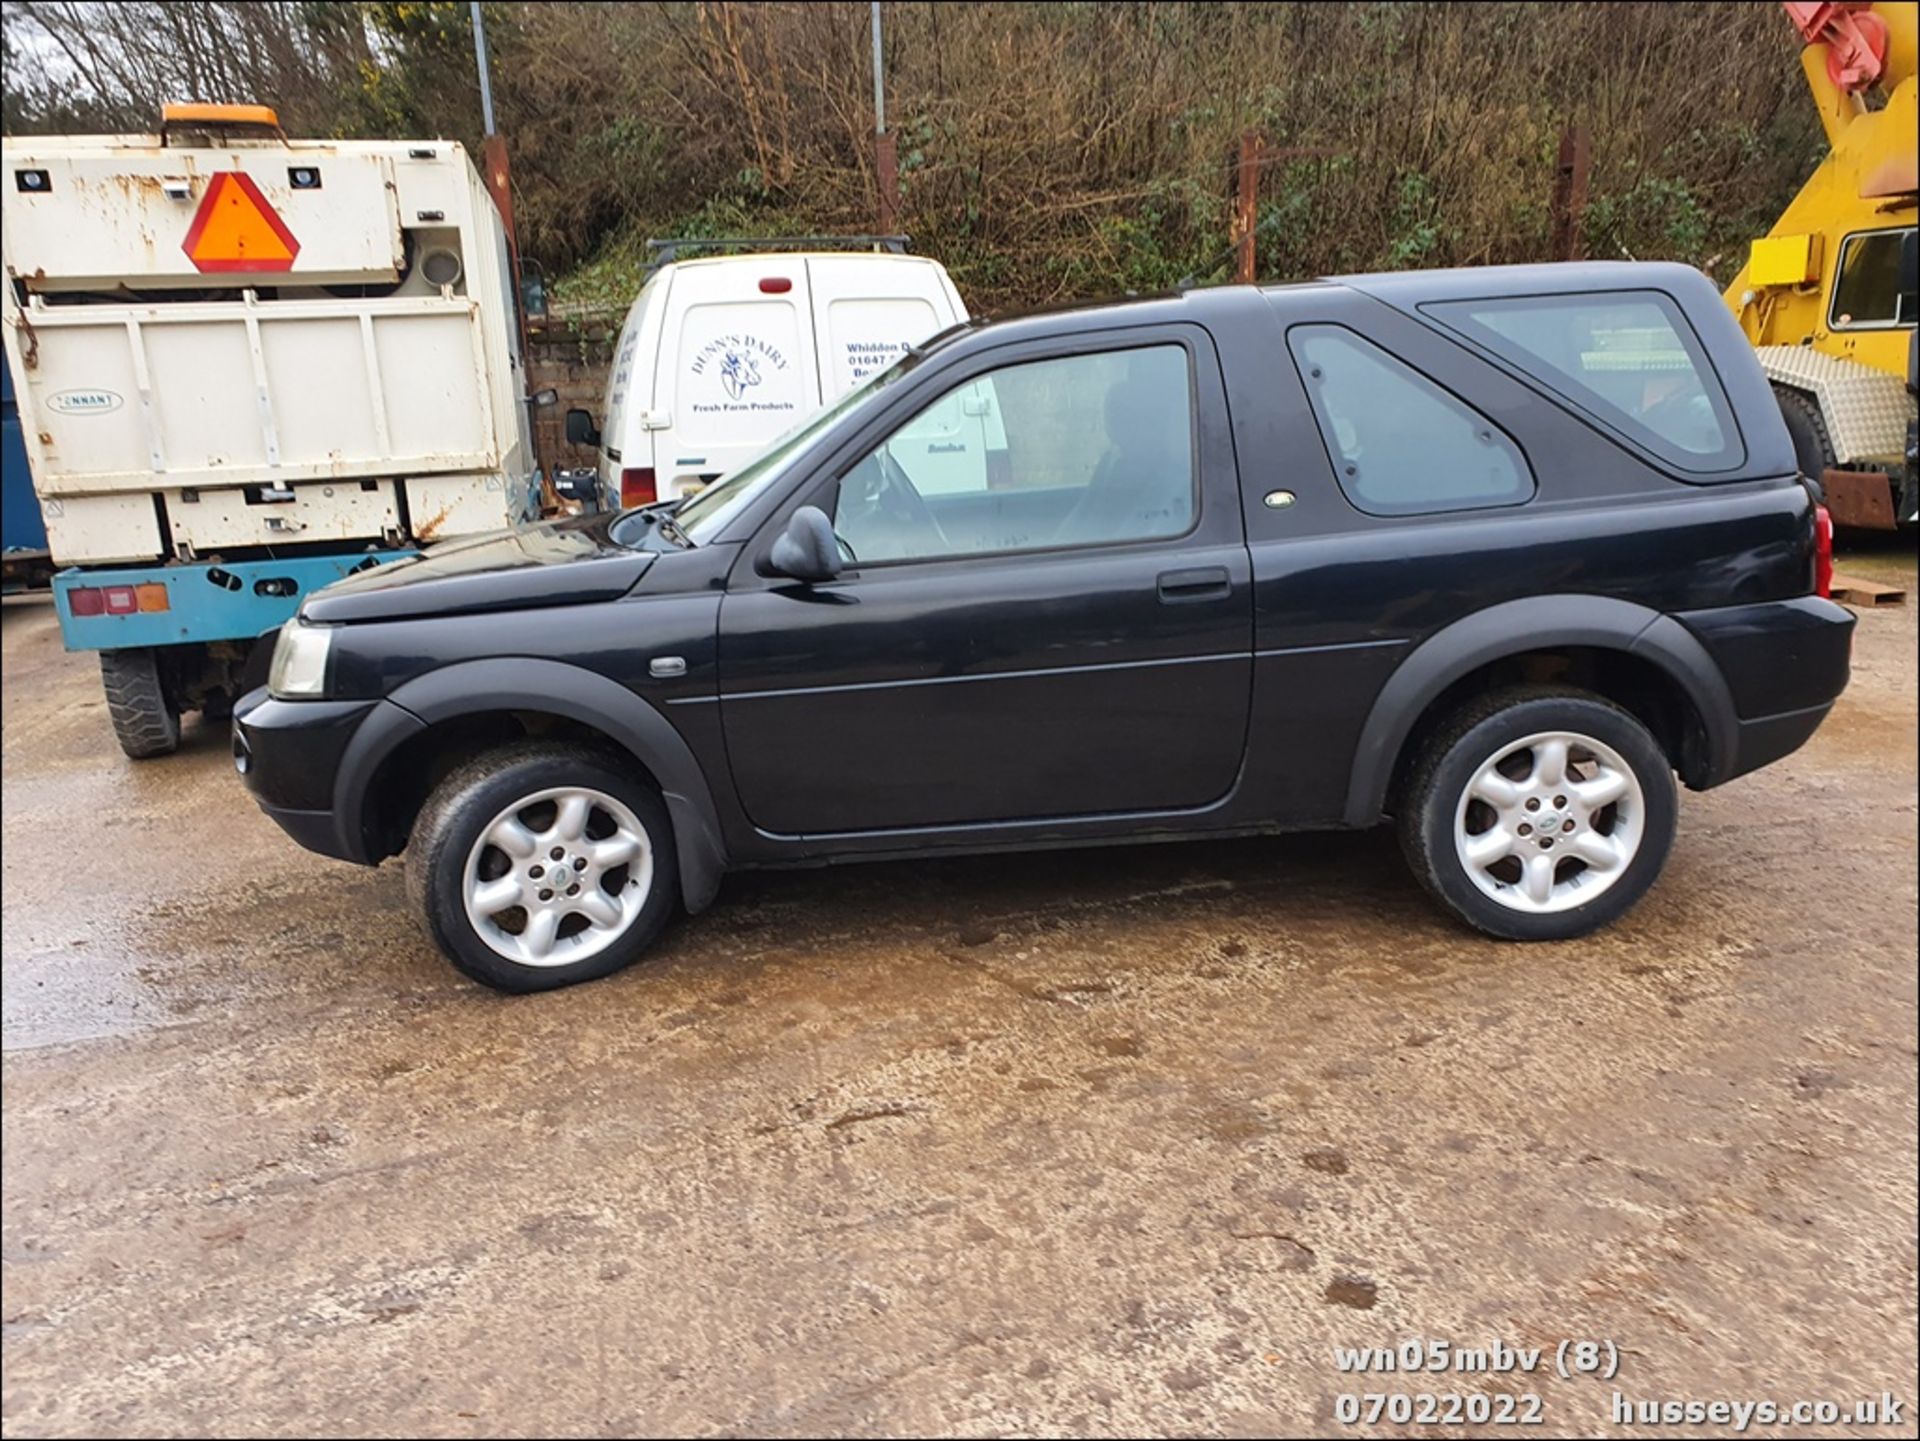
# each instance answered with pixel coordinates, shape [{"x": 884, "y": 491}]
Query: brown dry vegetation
[{"x": 1046, "y": 150}]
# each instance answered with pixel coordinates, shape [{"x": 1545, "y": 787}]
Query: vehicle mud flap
[{"x": 1860, "y": 499}]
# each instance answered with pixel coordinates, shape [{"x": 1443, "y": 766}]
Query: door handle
[{"x": 1209, "y": 582}]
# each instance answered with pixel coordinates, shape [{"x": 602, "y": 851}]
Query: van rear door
[
  {"x": 868, "y": 309},
  {"x": 737, "y": 368}
]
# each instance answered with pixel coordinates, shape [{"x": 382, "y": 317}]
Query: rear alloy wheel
[
  {"x": 1540, "y": 814},
  {"x": 1549, "y": 822},
  {"x": 538, "y": 865}
]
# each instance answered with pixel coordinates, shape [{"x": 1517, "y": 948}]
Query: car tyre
[
  {"x": 542, "y": 864},
  {"x": 1807, "y": 428},
  {"x": 1539, "y": 813},
  {"x": 146, "y": 721}
]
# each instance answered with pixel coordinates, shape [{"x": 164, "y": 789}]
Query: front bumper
[{"x": 309, "y": 762}]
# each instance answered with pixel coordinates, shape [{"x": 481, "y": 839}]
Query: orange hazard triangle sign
[{"x": 235, "y": 228}]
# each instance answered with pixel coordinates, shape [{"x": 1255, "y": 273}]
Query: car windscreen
[{"x": 702, "y": 516}]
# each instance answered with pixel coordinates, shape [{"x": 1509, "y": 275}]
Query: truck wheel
[
  {"x": 540, "y": 864},
  {"x": 1812, "y": 446},
  {"x": 145, "y": 718},
  {"x": 1539, "y": 813}
]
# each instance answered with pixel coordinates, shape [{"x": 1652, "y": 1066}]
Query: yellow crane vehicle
[{"x": 1828, "y": 296}]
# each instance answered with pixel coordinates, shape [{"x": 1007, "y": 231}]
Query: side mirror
[
  {"x": 580, "y": 429},
  {"x": 807, "y": 550},
  {"x": 544, "y": 398},
  {"x": 533, "y": 290}
]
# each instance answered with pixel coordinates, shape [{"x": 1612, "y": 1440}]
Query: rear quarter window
[
  {"x": 1629, "y": 359},
  {"x": 1400, "y": 443}
]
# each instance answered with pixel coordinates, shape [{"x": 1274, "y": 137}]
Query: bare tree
[
  {"x": 1045, "y": 150},
  {"x": 123, "y": 60}
]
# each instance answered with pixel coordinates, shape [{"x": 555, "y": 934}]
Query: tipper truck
[{"x": 248, "y": 366}]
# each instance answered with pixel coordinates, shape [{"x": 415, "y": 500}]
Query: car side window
[
  {"x": 1089, "y": 449},
  {"x": 1401, "y": 444},
  {"x": 1630, "y": 357}
]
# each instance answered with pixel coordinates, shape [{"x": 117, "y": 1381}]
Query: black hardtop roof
[
  {"x": 1400, "y": 288},
  {"x": 1483, "y": 282}
]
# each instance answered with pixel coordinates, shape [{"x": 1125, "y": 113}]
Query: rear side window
[
  {"x": 1627, "y": 357},
  {"x": 1400, "y": 444}
]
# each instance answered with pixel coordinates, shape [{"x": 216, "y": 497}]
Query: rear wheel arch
[
  {"x": 1636, "y": 657},
  {"x": 470, "y": 706}
]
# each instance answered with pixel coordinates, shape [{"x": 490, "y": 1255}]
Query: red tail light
[
  {"x": 91, "y": 600},
  {"x": 1822, "y": 551},
  {"x": 776, "y": 285},
  {"x": 637, "y": 487}
]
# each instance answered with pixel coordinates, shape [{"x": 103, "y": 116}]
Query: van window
[
  {"x": 742, "y": 378},
  {"x": 1083, "y": 450},
  {"x": 865, "y": 335},
  {"x": 1400, "y": 444},
  {"x": 1866, "y": 292},
  {"x": 1629, "y": 357}
]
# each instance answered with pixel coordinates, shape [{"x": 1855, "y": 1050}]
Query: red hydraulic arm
[{"x": 1856, "y": 39}]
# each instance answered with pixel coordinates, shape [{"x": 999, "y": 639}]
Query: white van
[{"x": 719, "y": 357}]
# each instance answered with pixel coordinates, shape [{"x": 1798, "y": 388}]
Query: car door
[{"x": 1068, "y": 636}]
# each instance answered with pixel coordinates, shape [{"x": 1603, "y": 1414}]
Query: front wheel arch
[{"x": 491, "y": 697}]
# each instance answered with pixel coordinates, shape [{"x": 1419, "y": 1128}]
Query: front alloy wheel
[
  {"x": 558, "y": 876},
  {"x": 540, "y": 864}
]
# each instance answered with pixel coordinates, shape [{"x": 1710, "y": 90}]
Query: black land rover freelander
[{"x": 1493, "y": 553}]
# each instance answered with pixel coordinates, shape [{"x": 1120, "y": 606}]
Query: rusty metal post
[
  {"x": 493, "y": 170},
  {"x": 886, "y": 171},
  {"x": 1246, "y": 200},
  {"x": 498, "y": 178},
  {"x": 1569, "y": 194},
  {"x": 886, "y": 156}
]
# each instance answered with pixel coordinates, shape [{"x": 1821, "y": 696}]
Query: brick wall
[{"x": 570, "y": 354}]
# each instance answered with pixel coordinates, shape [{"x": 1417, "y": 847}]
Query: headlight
[{"x": 300, "y": 660}]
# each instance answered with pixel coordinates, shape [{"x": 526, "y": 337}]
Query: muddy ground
[{"x": 1117, "y": 1141}]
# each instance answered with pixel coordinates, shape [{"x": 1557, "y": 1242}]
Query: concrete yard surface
[{"x": 1101, "y": 1142}]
